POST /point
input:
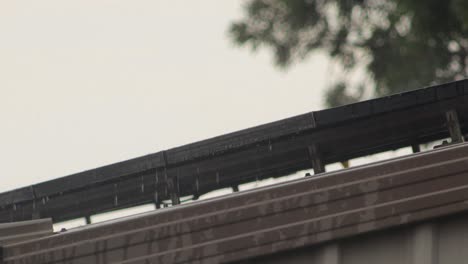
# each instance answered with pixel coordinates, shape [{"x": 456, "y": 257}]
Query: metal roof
[
  {"x": 24, "y": 230},
  {"x": 285, "y": 216}
]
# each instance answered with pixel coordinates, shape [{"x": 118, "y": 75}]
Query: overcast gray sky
[{"x": 87, "y": 83}]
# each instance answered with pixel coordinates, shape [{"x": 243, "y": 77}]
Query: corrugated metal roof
[
  {"x": 25, "y": 230},
  {"x": 291, "y": 215}
]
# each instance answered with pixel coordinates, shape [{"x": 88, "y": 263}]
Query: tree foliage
[{"x": 402, "y": 44}]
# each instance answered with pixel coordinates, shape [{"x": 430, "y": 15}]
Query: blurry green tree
[{"x": 402, "y": 44}]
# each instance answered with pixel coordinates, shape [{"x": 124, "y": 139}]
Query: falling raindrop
[
  {"x": 142, "y": 186},
  {"x": 43, "y": 200},
  {"x": 217, "y": 177},
  {"x": 14, "y": 207},
  {"x": 116, "y": 199},
  {"x": 197, "y": 184},
  {"x": 270, "y": 147}
]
